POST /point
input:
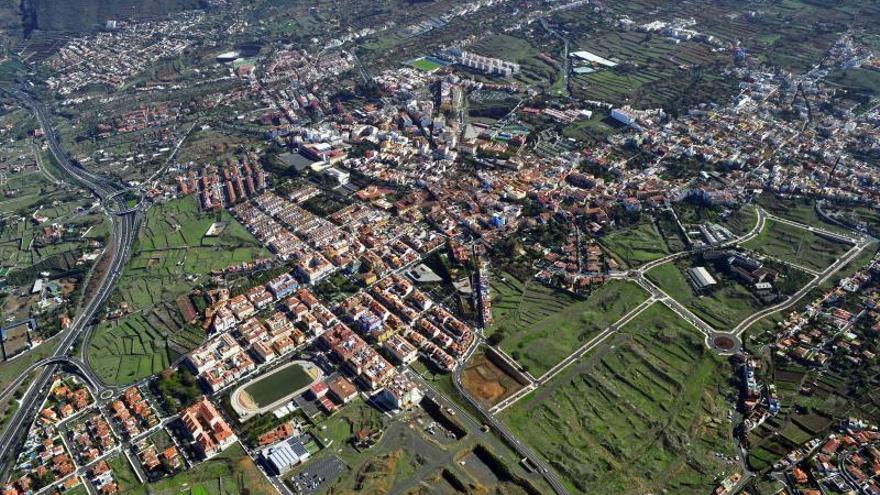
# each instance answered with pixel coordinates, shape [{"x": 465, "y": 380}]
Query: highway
[{"x": 122, "y": 232}]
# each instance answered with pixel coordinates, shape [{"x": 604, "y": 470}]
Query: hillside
[{"x": 20, "y": 18}]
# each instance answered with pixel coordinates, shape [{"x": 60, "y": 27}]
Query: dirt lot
[{"x": 487, "y": 381}]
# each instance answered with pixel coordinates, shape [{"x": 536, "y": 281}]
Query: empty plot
[
  {"x": 636, "y": 245},
  {"x": 798, "y": 246},
  {"x": 724, "y": 307},
  {"x": 540, "y": 326},
  {"x": 638, "y": 416}
]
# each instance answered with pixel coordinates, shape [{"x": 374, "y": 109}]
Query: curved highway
[{"x": 123, "y": 229}]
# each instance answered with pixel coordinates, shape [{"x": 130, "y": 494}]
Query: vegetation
[
  {"x": 540, "y": 326},
  {"x": 723, "y": 307},
  {"x": 636, "y": 245},
  {"x": 797, "y": 246},
  {"x": 638, "y": 415}
]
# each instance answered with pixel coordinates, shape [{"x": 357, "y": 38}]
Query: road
[{"x": 123, "y": 229}]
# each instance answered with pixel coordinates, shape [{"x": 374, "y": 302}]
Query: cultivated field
[
  {"x": 541, "y": 326},
  {"x": 638, "y": 415},
  {"x": 139, "y": 345},
  {"x": 173, "y": 253}
]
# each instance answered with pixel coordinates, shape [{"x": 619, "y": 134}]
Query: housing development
[{"x": 440, "y": 247}]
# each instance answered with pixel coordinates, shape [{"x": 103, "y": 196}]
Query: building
[
  {"x": 701, "y": 279},
  {"x": 622, "y": 116},
  {"x": 400, "y": 349},
  {"x": 342, "y": 390},
  {"x": 285, "y": 454},
  {"x": 206, "y": 427},
  {"x": 400, "y": 393}
]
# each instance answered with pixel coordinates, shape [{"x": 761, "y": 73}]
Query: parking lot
[{"x": 317, "y": 474}]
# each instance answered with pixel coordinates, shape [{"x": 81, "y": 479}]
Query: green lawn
[
  {"x": 723, "y": 308},
  {"x": 641, "y": 414},
  {"x": 425, "y": 65},
  {"x": 273, "y": 387},
  {"x": 796, "y": 245},
  {"x": 636, "y": 245},
  {"x": 801, "y": 210},
  {"x": 541, "y": 326}
]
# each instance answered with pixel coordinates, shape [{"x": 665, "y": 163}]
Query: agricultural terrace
[
  {"x": 20, "y": 232},
  {"x": 797, "y": 246},
  {"x": 636, "y": 245},
  {"x": 123, "y": 351},
  {"x": 539, "y": 326},
  {"x": 661, "y": 78},
  {"x": 172, "y": 252},
  {"x": 636, "y": 415},
  {"x": 723, "y": 308},
  {"x": 534, "y": 70},
  {"x": 230, "y": 473}
]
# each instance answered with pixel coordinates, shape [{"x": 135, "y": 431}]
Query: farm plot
[
  {"x": 173, "y": 252},
  {"x": 139, "y": 345},
  {"x": 636, "y": 245},
  {"x": 798, "y": 246},
  {"x": 539, "y": 326},
  {"x": 639, "y": 415}
]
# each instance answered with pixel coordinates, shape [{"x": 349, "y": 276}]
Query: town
[{"x": 487, "y": 246}]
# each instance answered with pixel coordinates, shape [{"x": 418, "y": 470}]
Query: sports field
[
  {"x": 798, "y": 246},
  {"x": 279, "y": 384},
  {"x": 541, "y": 326},
  {"x": 425, "y": 65},
  {"x": 640, "y": 414}
]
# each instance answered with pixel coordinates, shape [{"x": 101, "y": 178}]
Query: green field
[
  {"x": 277, "y": 385},
  {"x": 171, "y": 256},
  {"x": 638, "y": 415},
  {"x": 229, "y": 473},
  {"x": 636, "y": 245},
  {"x": 172, "y": 252},
  {"x": 801, "y": 210},
  {"x": 724, "y": 307},
  {"x": 541, "y": 326},
  {"x": 425, "y": 65},
  {"x": 796, "y": 245}
]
